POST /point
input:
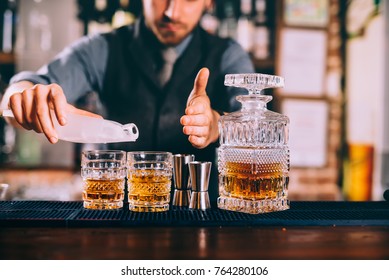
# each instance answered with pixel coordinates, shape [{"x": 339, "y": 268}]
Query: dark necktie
[{"x": 169, "y": 57}]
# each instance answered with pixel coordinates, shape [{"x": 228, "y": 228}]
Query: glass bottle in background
[
  {"x": 228, "y": 24},
  {"x": 122, "y": 15},
  {"x": 358, "y": 172},
  {"x": 245, "y": 28},
  {"x": 8, "y": 26},
  {"x": 253, "y": 157},
  {"x": 101, "y": 17},
  {"x": 38, "y": 35},
  {"x": 261, "y": 39},
  {"x": 209, "y": 20}
]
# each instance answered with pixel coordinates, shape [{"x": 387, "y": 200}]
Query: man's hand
[
  {"x": 200, "y": 121},
  {"x": 32, "y": 106}
]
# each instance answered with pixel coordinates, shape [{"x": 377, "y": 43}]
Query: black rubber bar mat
[{"x": 72, "y": 214}]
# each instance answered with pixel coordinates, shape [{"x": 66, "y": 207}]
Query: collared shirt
[{"x": 180, "y": 48}]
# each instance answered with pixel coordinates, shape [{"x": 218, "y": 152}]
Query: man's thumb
[{"x": 200, "y": 82}]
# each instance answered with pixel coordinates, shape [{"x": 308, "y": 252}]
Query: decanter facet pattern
[{"x": 253, "y": 157}]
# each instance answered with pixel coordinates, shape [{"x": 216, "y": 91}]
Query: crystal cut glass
[{"x": 253, "y": 157}]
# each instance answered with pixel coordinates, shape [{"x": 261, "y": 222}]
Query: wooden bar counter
[{"x": 309, "y": 230}]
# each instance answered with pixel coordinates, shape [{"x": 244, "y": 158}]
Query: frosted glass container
[{"x": 253, "y": 157}]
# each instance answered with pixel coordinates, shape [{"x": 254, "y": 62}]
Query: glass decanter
[{"x": 253, "y": 157}]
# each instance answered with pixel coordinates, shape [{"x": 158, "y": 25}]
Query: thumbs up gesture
[{"x": 200, "y": 122}]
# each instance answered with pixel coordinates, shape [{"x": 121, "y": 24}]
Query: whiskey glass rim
[
  {"x": 103, "y": 155},
  {"x": 150, "y": 155},
  {"x": 150, "y": 152},
  {"x": 96, "y": 152}
]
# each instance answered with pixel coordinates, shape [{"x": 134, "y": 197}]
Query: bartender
[{"x": 164, "y": 73}]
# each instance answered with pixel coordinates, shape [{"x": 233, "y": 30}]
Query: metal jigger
[
  {"x": 199, "y": 175},
  {"x": 181, "y": 177}
]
